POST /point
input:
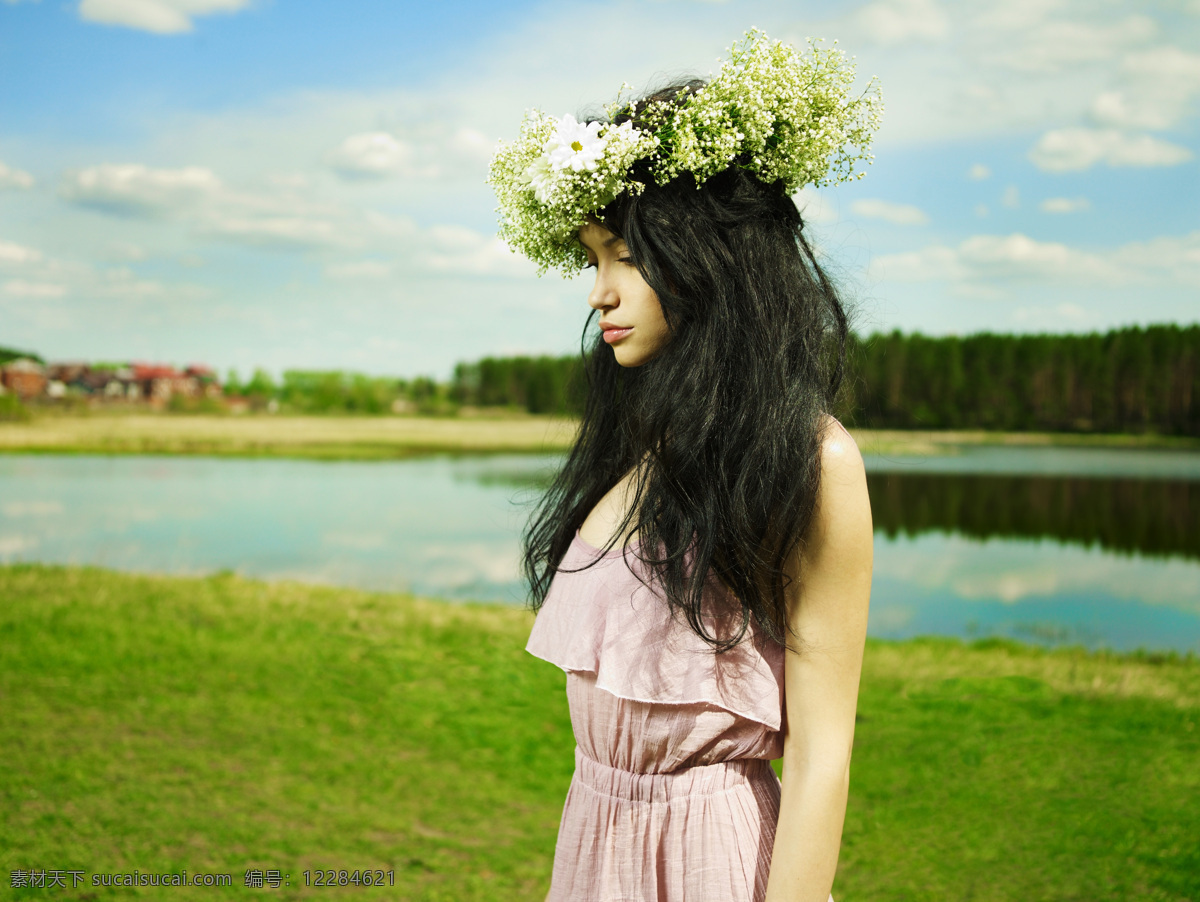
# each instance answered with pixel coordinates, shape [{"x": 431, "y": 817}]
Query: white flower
[
  {"x": 540, "y": 176},
  {"x": 575, "y": 145}
]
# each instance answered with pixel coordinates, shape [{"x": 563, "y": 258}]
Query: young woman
[{"x": 701, "y": 566}]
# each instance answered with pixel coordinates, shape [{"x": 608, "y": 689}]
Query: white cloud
[
  {"x": 371, "y": 154},
  {"x": 278, "y": 231},
  {"x": 137, "y": 189},
  {"x": 12, "y": 544},
  {"x": 814, "y": 206},
  {"x": 934, "y": 263},
  {"x": 123, "y": 282},
  {"x": 14, "y": 178},
  {"x": 897, "y": 214},
  {"x": 1117, "y": 108},
  {"x": 290, "y": 180},
  {"x": 989, "y": 259},
  {"x": 429, "y": 150},
  {"x": 979, "y": 172},
  {"x": 17, "y": 253},
  {"x": 198, "y": 198},
  {"x": 1018, "y": 256},
  {"x": 31, "y": 508},
  {"x": 1176, "y": 257},
  {"x": 1055, "y": 46},
  {"x": 1158, "y": 88},
  {"x": 24, "y": 289},
  {"x": 1074, "y": 149},
  {"x": 157, "y": 16},
  {"x": 1165, "y": 64},
  {"x": 1064, "y": 204},
  {"x": 359, "y": 269},
  {"x": 126, "y": 250},
  {"x": 286, "y": 218},
  {"x": 1054, "y": 316},
  {"x": 455, "y": 249},
  {"x": 1011, "y": 198},
  {"x": 900, "y": 21},
  {"x": 41, "y": 276}
]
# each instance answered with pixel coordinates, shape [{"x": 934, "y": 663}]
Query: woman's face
[{"x": 631, "y": 317}]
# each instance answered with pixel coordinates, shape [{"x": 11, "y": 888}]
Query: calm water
[{"x": 1050, "y": 545}]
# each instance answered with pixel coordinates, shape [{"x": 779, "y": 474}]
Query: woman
[{"x": 701, "y": 566}]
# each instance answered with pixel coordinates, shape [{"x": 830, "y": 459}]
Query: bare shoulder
[
  {"x": 842, "y": 519},
  {"x": 841, "y": 461}
]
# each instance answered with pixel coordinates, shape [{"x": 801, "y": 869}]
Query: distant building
[
  {"x": 158, "y": 383},
  {"x": 24, "y": 377},
  {"x": 73, "y": 373},
  {"x": 150, "y": 382},
  {"x": 206, "y": 380}
]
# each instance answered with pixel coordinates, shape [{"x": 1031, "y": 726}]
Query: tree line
[
  {"x": 1127, "y": 380},
  {"x": 338, "y": 391}
]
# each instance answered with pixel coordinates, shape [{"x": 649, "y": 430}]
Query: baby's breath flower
[{"x": 781, "y": 115}]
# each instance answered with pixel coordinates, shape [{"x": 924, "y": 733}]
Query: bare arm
[{"x": 828, "y": 609}]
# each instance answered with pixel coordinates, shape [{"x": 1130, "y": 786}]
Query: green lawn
[{"x": 220, "y": 724}]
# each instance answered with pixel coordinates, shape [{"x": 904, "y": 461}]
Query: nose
[{"x": 603, "y": 295}]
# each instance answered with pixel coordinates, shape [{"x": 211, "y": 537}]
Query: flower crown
[{"x": 778, "y": 114}]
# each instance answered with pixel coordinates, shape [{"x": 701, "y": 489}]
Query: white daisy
[
  {"x": 540, "y": 176},
  {"x": 575, "y": 145}
]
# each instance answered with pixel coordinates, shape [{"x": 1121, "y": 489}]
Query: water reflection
[
  {"x": 1148, "y": 517},
  {"x": 1041, "y": 591},
  {"x": 969, "y": 544}
]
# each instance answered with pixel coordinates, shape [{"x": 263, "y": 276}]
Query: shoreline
[
  {"x": 500, "y": 616},
  {"x": 402, "y": 437}
]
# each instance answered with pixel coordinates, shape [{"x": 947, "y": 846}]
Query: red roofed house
[{"x": 24, "y": 377}]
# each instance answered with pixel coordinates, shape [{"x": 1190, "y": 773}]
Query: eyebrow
[{"x": 608, "y": 242}]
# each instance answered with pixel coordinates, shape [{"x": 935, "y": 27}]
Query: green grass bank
[
  {"x": 396, "y": 437},
  {"x": 218, "y": 724}
]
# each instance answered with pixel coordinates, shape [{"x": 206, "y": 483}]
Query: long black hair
[{"x": 723, "y": 427}]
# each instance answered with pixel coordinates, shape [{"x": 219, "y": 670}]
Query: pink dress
[{"x": 673, "y": 796}]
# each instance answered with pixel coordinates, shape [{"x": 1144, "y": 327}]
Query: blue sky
[{"x": 301, "y": 184}]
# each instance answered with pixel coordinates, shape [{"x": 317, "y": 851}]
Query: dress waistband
[{"x": 702, "y": 779}]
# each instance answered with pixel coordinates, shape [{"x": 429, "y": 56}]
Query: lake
[{"x": 1097, "y": 547}]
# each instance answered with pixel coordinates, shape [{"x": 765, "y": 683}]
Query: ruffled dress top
[{"x": 673, "y": 796}]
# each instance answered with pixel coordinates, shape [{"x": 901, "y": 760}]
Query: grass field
[
  {"x": 379, "y": 438},
  {"x": 331, "y": 438},
  {"x": 218, "y": 725}
]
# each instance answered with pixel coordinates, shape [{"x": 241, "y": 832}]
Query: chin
[{"x": 632, "y": 357}]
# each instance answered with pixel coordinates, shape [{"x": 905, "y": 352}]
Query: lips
[{"x": 614, "y": 333}]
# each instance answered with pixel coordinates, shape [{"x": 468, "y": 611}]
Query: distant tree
[
  {"x": 536, "y": 384},
  {"x": 261, "y": 385},
  {"x": 7, "y": 354}
]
